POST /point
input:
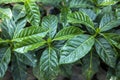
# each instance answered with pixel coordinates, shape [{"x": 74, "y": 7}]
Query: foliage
[{"x": 85, "y": 31}]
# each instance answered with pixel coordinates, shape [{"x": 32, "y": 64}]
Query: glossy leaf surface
[
  {"x": 68, "y": 33},
  {"x": 106, "y": 52},
  {"x": 76, "y": 48},
  {"x": 49, "y": 64},
  {"x": 5, "y": 56}
]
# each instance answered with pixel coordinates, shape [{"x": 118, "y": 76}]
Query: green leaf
[
  {"x": 79, "y": 4},
  {"x": 5, "y": 56},
  {"x": 82, "y": 18},
  {"x": 108, "y": 22},
  {"x": 10, "y": 1},
  {"x": 29, "y": 44},
  {"x": 63, "y": 15},
  {"x": 28, "y": 58},
  {"x": 29, "y": 39},
  {"x": 19, "y": 16},
  {"x": 50, "y": 2},
  {"x": 108, "y": 2},
  {"x": 49, "y": 64},
  {"x": 90, "y": 65},
  {"x": 76, "y": 48},
  {"x": 8, "y": 27},
  {"x": 50, "y": 22},
  {"x": 67, "y": 33},
  {"x": 30, "y": 32},
  {"x": 89, "y": 12},
  {"x": 114, "y": 38},
  {"x": 18, "y": 69},
  {"x": 106, "y": 52},
  {"x": 33, "y": 13},
  {"x": 5, "y": 13}
]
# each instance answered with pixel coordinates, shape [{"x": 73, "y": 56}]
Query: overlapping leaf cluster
[{"x": 85, "y": 31}]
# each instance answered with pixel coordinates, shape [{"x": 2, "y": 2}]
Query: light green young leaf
[
  {"x": 82, "y": 18},
  {"x": 33, "y": 12},
  {"x": 76, "y": 48},
  {"x": 5, "y": 56},
  {"x": 67, "y": 33},
  {"x": 108, "y": 22},
  {"x": 49, "y": 64},
  {"x": 50, "y": 22},
  {"x": 106, "y": 52}
]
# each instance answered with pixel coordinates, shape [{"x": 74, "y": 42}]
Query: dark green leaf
[
  {"x": 29, "y": 33},
  {"x": 10, "y": 1},
  {"x": 19, "y": 16},
  {"x": 18, "y": 12},
  {"x": 8, "y": 27},
  {"x": 118, "y": 70},
  {"x": 82, "y": 18},
  {"x": 108, "y": 22},
  {"x": 50, "y": 2},
  {"x": 5, "y": 13},
  {"x": 29, "y": 39},
  {"x": 28, "y": 58},
  {"x": 90, "y": 13},
  {"x": 66, "y": 70},
  {"x": 18, "y": 69},
  {"x": 36, "y": 72},
  {"x": 5, "y": 56},
  {"x": 63, "y": 15},
  {"x": 29, "y": 44},
  {"x": 33, "y": 13},
  {"x": 108, "y": 2},
  {"x": 114, "y": 38},
  {"x": 90, "y": 65},
  {"x": 49, "y": 64},
  {"x": 50, "y": 22},
  {"x": 79, "y": 4},
  {"x": 68, "y": 33},
  {"x": 76, "y": 48},
  {"x": 106, "y": 52}
]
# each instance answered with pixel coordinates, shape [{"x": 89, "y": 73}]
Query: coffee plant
[{"x": 51, "y": 36}]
